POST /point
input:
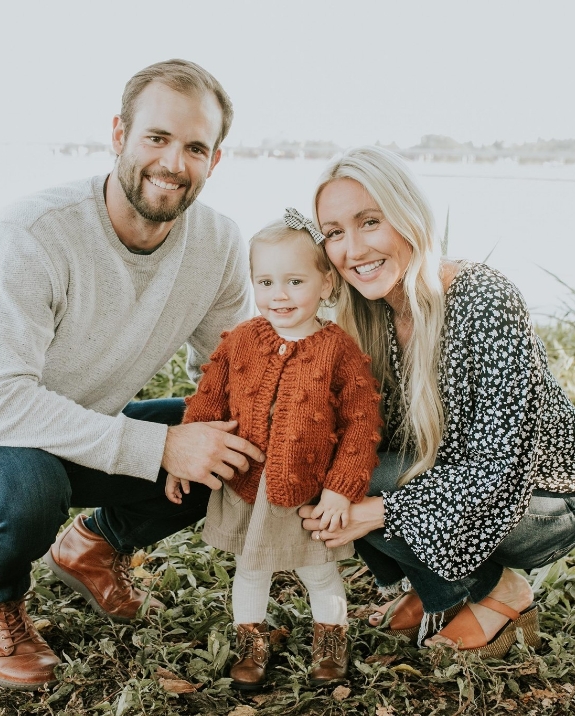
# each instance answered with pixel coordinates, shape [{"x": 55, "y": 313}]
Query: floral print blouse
[{"x": 509, "y": 428}]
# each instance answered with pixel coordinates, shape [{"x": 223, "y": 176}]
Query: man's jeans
[
  {"x": 546, "y": 533},
  {"x": 37, "y": 489}
]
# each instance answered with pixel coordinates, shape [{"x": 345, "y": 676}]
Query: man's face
[{"x": 167, "y": 156}]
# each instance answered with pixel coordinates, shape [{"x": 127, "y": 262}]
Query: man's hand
[
  {"x": 332, "y": 510},
  {"x": 196, "y": 450}
]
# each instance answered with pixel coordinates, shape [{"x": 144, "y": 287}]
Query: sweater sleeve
[
  {"x": 454, "y": 515},
  {"x": 358, "y": 422},
  {"x": 210, "y": 401},
  {"x": 32, "y": 301}
]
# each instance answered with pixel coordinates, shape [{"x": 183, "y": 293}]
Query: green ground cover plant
[{"x": 175, "y": 662}]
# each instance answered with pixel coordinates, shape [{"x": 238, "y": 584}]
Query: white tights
[{"x": 251, "y": 590}]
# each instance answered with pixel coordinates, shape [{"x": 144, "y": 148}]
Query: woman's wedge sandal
[
  {"x": 406, "y": 615},
  {"x": 465, "y": 630}
]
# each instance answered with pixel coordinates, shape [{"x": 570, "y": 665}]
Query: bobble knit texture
[{"x": 324, "y": 431}]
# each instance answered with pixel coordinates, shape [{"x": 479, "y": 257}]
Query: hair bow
[{"x": 296, "y": 221}]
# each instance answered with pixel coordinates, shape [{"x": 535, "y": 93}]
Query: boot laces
[
  {"x": 251, "y": 642},
  {"x": 328, "y": 646},
  {"x": 121, "y": 565},
  {"x": 18, "y": 624}
]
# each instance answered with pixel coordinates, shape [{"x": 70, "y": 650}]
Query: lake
[{"x": 522, "y": 215}]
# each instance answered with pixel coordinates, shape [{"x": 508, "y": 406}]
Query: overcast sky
[{"x": 352, "y": 71}]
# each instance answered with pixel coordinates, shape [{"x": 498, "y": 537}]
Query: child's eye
[
  {"x": 265, "y": 282},
  {"x": 295, "y": 281}
]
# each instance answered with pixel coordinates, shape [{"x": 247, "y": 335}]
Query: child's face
[{"x": 288, "y": 286}]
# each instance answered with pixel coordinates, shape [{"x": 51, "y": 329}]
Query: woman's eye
[
  {"x": 334, "y": 234},
  {"x": 371, "y": 222}
]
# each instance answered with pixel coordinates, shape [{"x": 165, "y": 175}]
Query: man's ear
[
  {"x": 215, "y": 159},
  {"x": 118, "y": 134}
]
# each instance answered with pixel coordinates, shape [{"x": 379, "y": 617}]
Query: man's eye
[{"x": 156, "y": 140}]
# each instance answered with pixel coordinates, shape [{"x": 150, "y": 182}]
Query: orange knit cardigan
[{"x": 324, "y": 429}]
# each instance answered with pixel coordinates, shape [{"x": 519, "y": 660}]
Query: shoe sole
[
  {"x": 17, "y": 686},
  {"x": 502, "y": 642},
  {"x": 246, "y": 687},
  {"x": 82, "y": 589}
]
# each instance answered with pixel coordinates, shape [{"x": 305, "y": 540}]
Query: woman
[{"x": 478, "y": 468}]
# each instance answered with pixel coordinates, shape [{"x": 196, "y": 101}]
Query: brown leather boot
[
  {"x": 26, "y": 661},
  {"x": 329, "y": 653},
  {"x": 87, "y": 563},
  {"x": 253, "y": 647}
]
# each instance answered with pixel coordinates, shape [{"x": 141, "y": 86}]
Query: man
[{"x": 101, "y": 281}]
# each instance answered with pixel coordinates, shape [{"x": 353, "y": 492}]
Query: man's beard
[{"x": 132, "y": 180}]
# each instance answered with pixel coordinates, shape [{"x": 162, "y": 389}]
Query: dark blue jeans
[
  {"x": 37, "y": 489},
  {"x": 546, "y": 533}
]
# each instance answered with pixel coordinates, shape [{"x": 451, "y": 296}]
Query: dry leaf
[
  {"x": 544, "y": 694},
  {"x": 359, "y": 573},
  {"x": 142, "y": 573},
  {"x": 406, "y": 667},
  {"x": 340, "y": 693},
  {"x": 138, "y": 558},
  {"x": 384, "y": 659},
  {"x": 165, "y": 674},
  {"x": 277, "y": 636},
  {"x": 508, "y": 705},
  {"x": 242, "y": 711},
  {"x": 179, "y": 686},
  {"x": 384, "y": 711},
  {"x": 42, "y": 624},
  {"x": 569, "y": 688},
  {"x": 260, "y": 699}
]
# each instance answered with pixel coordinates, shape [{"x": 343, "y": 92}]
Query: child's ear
[{"x": 327, "y": 286}]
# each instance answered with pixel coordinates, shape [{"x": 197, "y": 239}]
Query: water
[{"x": 524, "y": 215}]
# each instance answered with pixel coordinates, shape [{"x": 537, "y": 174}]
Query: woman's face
[{"x": 366, "y": 250}]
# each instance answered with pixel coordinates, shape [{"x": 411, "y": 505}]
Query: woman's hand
[{"x": 364, "y": 517}]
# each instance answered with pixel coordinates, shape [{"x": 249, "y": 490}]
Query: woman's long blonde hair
[{"x": 396, "y": 191}]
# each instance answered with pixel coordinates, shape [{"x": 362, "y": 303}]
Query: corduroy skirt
[{"x": 269, "y": 537}]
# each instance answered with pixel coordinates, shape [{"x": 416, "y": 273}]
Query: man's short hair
[{"x": 180, "y": 75}]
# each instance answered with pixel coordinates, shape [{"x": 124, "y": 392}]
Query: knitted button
[{"x": 283, "y": 349}]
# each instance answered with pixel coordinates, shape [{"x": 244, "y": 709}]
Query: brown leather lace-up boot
[
  {"x": 87, "y": 563},
  {"x": 329, "y": 653},
  {"x": 26, "y": 661},
  {"x": 253, "y": 647}
]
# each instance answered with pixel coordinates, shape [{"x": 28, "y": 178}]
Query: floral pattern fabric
[{"x": 509, "y": 428}]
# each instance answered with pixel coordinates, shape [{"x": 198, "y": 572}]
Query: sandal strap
[
  {"x": 497, "y": 606},
  {"x": 465, "y": 628}
]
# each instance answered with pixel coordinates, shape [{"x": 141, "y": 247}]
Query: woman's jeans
[
  {"x": 37, "y": 489},
  {"x": 546, "y": 533}
]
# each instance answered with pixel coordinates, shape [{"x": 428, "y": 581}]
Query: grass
[{"x": 176, "y": 662}]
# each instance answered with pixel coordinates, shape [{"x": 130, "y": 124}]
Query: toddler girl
[{"x": 301, "y": 391}]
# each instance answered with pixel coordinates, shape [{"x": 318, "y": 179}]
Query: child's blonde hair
[{"x": 278, "y": 231}]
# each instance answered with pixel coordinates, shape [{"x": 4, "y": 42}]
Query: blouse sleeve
[
  {"x": 210, "y": 401},
  {"x": 455, "y": 514},
  {"x": 358, "y": 422}
]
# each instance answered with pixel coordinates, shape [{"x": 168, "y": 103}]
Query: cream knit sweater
[{"x": 85, "y": 323}]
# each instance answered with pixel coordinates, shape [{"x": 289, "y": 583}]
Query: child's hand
[
  {"x": 333, "y": 509},
  {"x": 174, "y": 488}
]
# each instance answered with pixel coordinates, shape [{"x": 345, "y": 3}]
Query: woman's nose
[{"x": 356, "y": 247}]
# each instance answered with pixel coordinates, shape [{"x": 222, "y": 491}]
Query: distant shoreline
[{"x": 432, "y": 148}]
